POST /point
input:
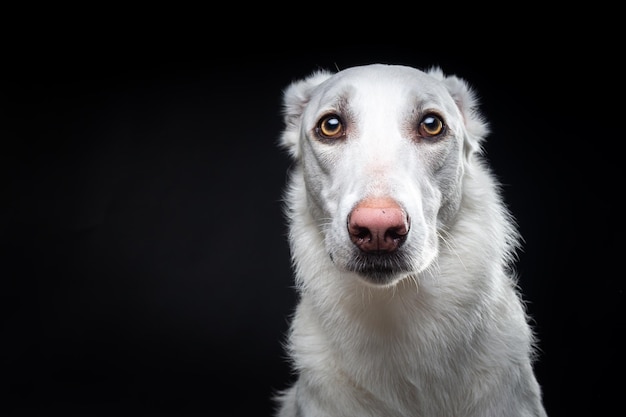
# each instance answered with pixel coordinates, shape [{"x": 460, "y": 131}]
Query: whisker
[{"x": 450, "y": 246}]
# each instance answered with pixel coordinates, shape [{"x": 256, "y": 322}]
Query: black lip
[{"x": 379, "y": 268}]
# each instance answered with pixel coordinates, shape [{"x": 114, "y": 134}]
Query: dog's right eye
[{"x": 330, "y": 127}]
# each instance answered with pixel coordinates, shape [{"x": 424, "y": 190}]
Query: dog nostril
[
  {"x": 398, "y": 233},
  {"x": 361, "y": 233}
]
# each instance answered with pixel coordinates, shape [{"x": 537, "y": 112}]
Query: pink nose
[{"x": 378, "y": 225}]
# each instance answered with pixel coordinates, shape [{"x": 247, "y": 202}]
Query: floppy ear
[
  {"x": 295, "y": 99},
  {"x": 466, "y": 99}
]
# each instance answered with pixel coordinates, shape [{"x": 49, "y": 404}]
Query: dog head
[{"x": 382, "y": 151}]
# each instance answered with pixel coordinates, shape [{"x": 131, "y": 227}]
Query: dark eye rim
[
  {"x": 422, "y": 133},
  {"x": 319, "y": 129}
]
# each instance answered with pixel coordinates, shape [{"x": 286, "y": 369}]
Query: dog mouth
[{"x": 379, "y": 268}]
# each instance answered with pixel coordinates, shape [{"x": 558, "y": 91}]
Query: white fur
[{"x": 447, "y": 335}]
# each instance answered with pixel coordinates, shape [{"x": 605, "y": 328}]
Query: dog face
[{"x": 382, "y": 150}]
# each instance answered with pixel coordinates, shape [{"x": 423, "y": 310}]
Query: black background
[{"x": 145, "y": 267}]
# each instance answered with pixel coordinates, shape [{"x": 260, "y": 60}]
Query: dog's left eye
[
  {"x": 430, "y": 125},
  {"x": 330, "y": 127}
]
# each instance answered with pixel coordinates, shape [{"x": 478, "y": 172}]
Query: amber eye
[
  {"x": 430, "y": 125},
  {"x": 331, "y": 127}
]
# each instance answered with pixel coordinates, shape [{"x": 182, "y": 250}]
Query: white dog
[{"x": 402, "y": 250}]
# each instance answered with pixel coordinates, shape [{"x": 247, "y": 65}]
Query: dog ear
[
  {"x": 467, "y": 101},
  {"x": 295, "y": 98}
]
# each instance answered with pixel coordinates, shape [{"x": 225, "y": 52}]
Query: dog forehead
[{"x": 378, "y": 83}]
